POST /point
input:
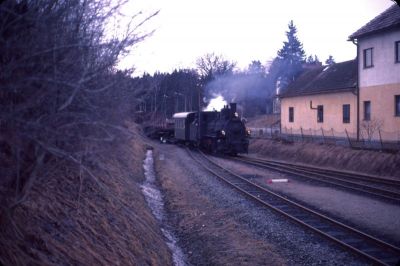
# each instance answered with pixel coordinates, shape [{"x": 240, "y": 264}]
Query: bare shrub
[
  {"x": 60, "y": 95},
  {"x": 370, "y": 127}
]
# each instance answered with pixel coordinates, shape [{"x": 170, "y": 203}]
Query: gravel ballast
[
  {"x": 291, "y": 243},
  {"x": 378, "y": 217}
]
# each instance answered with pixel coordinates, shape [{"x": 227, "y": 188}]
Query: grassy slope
[
  {"x": 373, "y": 162},
  {"x": 64, "y": 222}
]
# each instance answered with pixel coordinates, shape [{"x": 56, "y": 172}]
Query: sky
[{"x": 244, "y": 30}]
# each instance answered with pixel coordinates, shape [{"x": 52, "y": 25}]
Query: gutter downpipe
[{"x": 358, "y": 89}]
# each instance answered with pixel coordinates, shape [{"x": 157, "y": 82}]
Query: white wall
[{"x": 385, "y": 70}]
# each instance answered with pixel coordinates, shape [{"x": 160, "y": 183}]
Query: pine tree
[
  {"x": 313, "y": 60},
  {"x": 330, "y": 60},
  {"x": 291, "y": 56}
]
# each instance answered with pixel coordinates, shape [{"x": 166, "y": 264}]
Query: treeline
[
  {"x": 254, "y": 89},
  {"x": 187, "y": 90}
]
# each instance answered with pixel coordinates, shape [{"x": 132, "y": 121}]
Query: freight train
[{"x": 216, "y": 132}]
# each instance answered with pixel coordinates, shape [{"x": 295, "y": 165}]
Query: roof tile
[
  {"x": 389, "y": 19},
  {"x": 326, "y": 79}
]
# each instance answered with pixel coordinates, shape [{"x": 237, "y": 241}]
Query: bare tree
[
  {"x": 212, "y": 65},
  {"x": 370, "y": 127},
  {"x": 59, "y": 90}
]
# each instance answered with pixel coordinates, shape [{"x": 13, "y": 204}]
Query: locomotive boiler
[{"x": 217, "y": 132}]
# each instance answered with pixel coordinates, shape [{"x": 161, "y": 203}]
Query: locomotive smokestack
[{"x": 233, "y": 108}]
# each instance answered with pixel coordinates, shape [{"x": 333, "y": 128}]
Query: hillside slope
[{"x": 83, "y": 220}]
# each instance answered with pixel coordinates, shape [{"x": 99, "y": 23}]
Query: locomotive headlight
[
  {"x": 223, "y": 132},
  {"x": 236, "y": 114},
  {"x": 248, "y": 132}
]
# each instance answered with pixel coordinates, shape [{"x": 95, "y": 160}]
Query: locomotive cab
[
  {"x": 224, "y": 132},
  {"x": 216, "y": 132}
]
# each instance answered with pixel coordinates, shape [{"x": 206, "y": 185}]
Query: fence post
[
  {"x": 348, "y": 138},
  {"x": 302, "y": 137},
  {"x": 380, "y": 138},
  {"x": 285, "y": 134},
  {"x": 323, "y": 136},
  {"x": 291, "y": 134}
]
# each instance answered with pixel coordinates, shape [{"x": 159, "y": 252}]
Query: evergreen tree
[
  {"x": 313, "y": 60},
  {"x": 330, "y": 60},
  {"x": 256, "y": 68},
  {"x": 291, "y": 56},
  {"x": 310, "y": 59}
]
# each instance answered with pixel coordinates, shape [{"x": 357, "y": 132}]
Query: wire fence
[{"x": 377, "y": 139}]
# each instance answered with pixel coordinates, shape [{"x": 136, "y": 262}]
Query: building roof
[
  {"x": 389, "y": 19},
  {"x": 339, "y": 77}
]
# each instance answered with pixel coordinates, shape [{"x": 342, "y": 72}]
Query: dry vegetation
[
  {"x": 368, "y": 161},
  {"x": 372, "y": 162},
  {"x": 263, "y": 121},
  {"x": 76, "y": 219},
  {"x": 69, "y": 165}
]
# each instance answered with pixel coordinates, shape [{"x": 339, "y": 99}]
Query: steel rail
[
  {"x": 322, "y": 177},
  {"x": 352, "y": 175},
  {"x": 369, "y": 247}
]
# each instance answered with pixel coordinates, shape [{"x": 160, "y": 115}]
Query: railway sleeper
[
  {"x": 310, "y": 222},
  {"x": 352, "y": 241},
  {"x": 335, "y": 233},
  {"x": 282, "y": 207},
  {"x": 319, "y": 226},
  {"x": 392, "y": 260},
  {"x": 373, "y": 251}
]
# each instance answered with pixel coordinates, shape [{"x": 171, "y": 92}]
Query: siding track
[
  {"x": 369, "y": 247},
  {"x": 383, "y": 188}
]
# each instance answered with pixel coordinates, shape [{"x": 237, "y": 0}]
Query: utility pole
[{"x": 198, "y": 115}]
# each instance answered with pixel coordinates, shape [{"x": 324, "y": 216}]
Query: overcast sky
[{"x": 245, "y": 30}]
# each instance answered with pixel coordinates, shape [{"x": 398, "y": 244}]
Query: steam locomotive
[{"x": 216, "y": 132}]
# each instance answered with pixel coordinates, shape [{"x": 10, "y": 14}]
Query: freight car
[{"x": 217, "y": 132}]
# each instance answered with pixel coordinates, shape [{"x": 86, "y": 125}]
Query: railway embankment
[
  {"x": 334, "y": 157},
  {"x": 83, "y": 220}
]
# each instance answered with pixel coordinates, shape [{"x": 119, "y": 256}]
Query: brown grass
[
  {"x": 371, "y": 162},
  {"x": 70, "y": 219},
  {"x": 263, "y": 120}
]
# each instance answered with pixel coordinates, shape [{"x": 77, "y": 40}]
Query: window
[
  {"x": 397, "y": 52},
  {"x": 368, "y": 58},
  {"x": 346, "y": 113},
  {"x": 397, "y": 105},
  {"x": 320, "y": 113},
  {"x": 291, "y": 114},
  {"x": 367, "y": 110}
]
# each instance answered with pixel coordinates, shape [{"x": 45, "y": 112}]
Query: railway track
[
  {"x": 388, "y": 189},
  {"x": 369, "y": 247}
]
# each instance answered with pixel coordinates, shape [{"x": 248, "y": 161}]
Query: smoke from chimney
[{"x": 217, "y": 103}]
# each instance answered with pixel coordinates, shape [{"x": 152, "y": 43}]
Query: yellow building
[
  {"x": 378, "y": 53},
  {"x": 359, "y": 98},
  {"x": 322, "y": 100}
]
